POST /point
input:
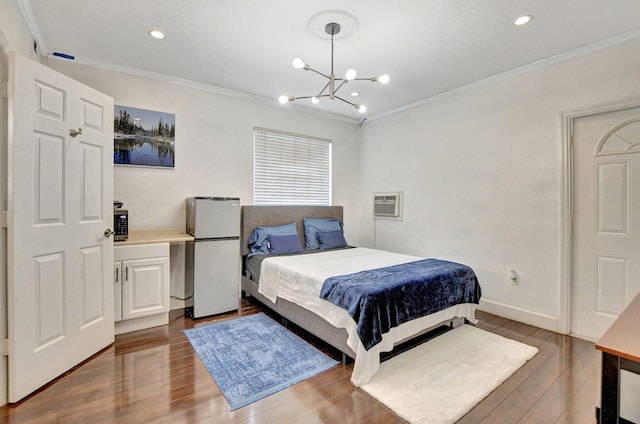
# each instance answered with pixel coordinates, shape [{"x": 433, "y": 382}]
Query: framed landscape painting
[{"x": 143, "y": 137}]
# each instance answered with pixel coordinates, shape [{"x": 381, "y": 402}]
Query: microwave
[{"x": 120, "y": 224}]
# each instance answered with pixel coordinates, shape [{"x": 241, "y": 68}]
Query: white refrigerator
[{"x": 212, "y": 274}]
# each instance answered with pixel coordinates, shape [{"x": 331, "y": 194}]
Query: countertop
[
  {"x": 169, "y": 235},
  {"x": 620, "y": 339}
]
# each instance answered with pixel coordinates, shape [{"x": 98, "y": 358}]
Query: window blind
[{"x": 290, "y": 169}]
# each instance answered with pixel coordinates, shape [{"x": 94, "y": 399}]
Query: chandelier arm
[
  {"x": 291, "y": 99},
  {"x": 304, "y": 97},
  {"x": 346, "y": 101},
  {"x": 372, "y": 79},
  {"x": 322, "y": 91},
  {"x": 341, "y": 84},
  {"x": 320, "y": 73}
]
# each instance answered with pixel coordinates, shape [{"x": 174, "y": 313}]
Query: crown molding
[
  {"x": 155, "y": 76},
  {"x": 609, "y": 42},
  {"x": 46, "y": 55},
  {"x": 27, "y": 14}
]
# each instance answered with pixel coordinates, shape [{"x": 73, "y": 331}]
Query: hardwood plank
[
  {"x": 154, "y": 375},
  {"x": 527, "y": 393},
  {"x": 505, "y": 392},
  {"x": 555, "y": 400},
  {"x": 576, "y": 410}
]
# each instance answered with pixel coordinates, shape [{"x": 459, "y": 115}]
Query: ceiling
[{"x": 246, "y": 47}]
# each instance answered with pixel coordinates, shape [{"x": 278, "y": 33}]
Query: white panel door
[
  {"x": 606, "y": 242},
  {"x": 60, "y": 285}
]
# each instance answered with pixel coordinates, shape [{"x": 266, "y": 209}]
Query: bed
[{"x": 283, "y": 283}]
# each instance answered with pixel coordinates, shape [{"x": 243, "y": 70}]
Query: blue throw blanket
[{"x": 380, "y": 299}]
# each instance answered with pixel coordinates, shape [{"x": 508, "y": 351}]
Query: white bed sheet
[{"x": 299, "y": 279}]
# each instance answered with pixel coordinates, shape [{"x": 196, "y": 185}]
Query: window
[{"x": 290, "y": 169}]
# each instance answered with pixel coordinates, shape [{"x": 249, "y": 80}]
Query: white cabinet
[{"x": 141, "y": 279}]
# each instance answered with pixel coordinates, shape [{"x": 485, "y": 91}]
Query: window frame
[{"x": 291, "y": 169}]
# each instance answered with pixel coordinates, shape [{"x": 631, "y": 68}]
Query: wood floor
[{"x": 155, "y": 376}]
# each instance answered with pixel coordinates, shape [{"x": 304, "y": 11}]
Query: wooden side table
[{"x": 620, "y": 347}]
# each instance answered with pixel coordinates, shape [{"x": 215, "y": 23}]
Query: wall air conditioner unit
[{"x": 387, "y": 205}]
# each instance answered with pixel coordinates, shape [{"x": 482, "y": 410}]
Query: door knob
[
  {"x": 108, "y": 232},
  {"x": 74, "y": 133}
]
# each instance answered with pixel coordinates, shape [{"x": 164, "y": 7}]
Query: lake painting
[{"x": 143, "y": 137}]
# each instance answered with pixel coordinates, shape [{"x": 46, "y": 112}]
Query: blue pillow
[
  {"x": 331, "y": 239},
  {"x": 313, "y": 225},
  {"x": 259, "y": 240},
  {"x": 283, "y": 245}
]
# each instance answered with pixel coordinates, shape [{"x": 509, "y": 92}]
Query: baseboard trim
[
  {"x": 583, "y": 337},
  {"x": 516, "y": 314},
  {"x": 141, "y": 323},
  {"x": 176, "y": 313}
]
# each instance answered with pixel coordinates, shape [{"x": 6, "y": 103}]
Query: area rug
[
  {"x": 442, "y": 379},
  {"x": 252, "y": 357}
]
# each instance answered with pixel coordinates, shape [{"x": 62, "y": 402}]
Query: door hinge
[
  {"x": 4, "y": 349},
  {"x": 6, "y": 90},
  {"x": 5, "y": 219}
]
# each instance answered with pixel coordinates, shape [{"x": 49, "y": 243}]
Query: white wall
[
  {"x": 14, "y": 33},
  {"x": 213, "y": 152},
  {"x": 481, "y": 173},
  {"x": 214, "y": 145}
]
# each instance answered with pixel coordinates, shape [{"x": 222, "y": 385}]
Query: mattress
[
  {"x": 299, "y": 279},
  {"x": 253, "y": 263}
]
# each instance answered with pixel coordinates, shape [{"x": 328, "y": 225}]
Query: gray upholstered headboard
[{"x": 267, "y": 216}]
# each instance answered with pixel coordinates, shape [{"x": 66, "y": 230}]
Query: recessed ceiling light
[
  {"x": 522, "y": 20},
  {"x": 355, "y": 94},
  {"x": 156, "y": 34}
]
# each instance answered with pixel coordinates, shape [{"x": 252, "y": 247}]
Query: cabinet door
[
  {"x": 117, "y": 291},
  {"x": 145, "y": 287}
]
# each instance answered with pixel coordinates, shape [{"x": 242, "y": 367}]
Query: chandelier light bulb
[
  {"x": 298, "y": 63},
  {"x": 384, "y": 79},
  {"x": 361, "y": 108},
  {"x": 350, "y": 75},
  {"x": 283, "y": 99},
  {"x": 315, "y": 100}
]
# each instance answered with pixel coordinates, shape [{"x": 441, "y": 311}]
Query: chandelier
[{"x": 330, "y": 89}]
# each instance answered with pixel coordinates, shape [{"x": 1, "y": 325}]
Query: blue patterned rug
[{"x": 252, "y": 357}]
